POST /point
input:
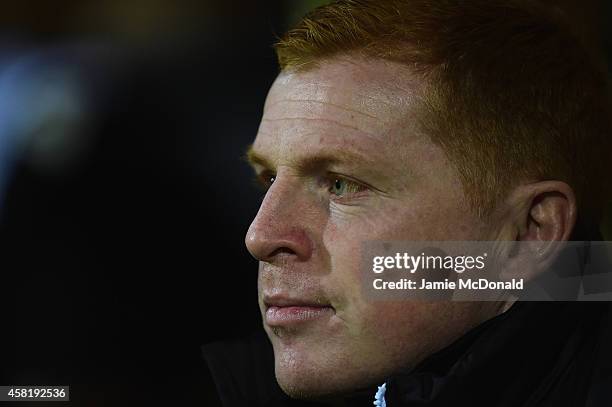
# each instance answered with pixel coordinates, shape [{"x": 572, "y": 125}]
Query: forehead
[
  {"x": 367, "y": 105},
  {"x": 371, "y": 85}
]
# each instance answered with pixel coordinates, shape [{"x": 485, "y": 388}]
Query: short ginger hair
[{"x": 512, "y": 94}]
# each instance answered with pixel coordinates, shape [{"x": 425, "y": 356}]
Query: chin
[
  {"x": 308, "y": 386},
  {"x": 318, "y": 376},
  {"x": 303, "y": 387}
]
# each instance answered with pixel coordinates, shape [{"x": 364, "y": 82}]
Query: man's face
[{"x": 349, "y": 164}]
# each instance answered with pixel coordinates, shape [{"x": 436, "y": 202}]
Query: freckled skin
[{"x": 308, "y": 241}]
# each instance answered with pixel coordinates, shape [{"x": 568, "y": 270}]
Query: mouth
[{"x": 285, "y": 311}]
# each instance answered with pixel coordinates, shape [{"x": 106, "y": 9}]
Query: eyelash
[
  {"x": 265, "y": 179},
  {"x": 353, "y": 187}
]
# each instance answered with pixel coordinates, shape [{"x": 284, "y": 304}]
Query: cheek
[
  {"x": 390, "y": 336},
  {"x": 343, "y": 241},
  {"x": 343, "y": 245},
  {"x": 399, "y": 320},
  {"x": 409, "y": 220},
  {"x": 403, "y": 326},
  {"x": 400, "y": 334}
]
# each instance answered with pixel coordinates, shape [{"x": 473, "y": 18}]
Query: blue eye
[
  {"x": 339, "y": 187},
  {"x": 342, "y": 187}
]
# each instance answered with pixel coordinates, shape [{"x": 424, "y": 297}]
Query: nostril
[{"x": 282, "y": 250}]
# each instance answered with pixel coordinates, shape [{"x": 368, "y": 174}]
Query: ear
[
  {"x": 550, "y": 213},
  {"x": 540, "y": 211},
  {"x": 538, "y": 218}
]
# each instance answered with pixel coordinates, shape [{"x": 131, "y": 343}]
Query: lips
[{"x": 286, "y": 311}]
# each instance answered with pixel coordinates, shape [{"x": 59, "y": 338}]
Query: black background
[{"x": 118, "y": 269}]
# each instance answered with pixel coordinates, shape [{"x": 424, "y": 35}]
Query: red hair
[{"x": 512, "y": 93}]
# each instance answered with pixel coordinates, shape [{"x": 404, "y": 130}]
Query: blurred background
[{"x": 124, "y": 198}]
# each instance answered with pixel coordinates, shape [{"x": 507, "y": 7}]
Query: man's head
[{"x": 409, "y": 120}]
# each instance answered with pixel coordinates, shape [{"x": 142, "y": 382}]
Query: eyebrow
[
  {"x": 310, "y": 163},
  {"x": 254, "y": 158}
]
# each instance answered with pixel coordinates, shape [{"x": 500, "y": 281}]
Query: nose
[{"x": 280, "y": 228}]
